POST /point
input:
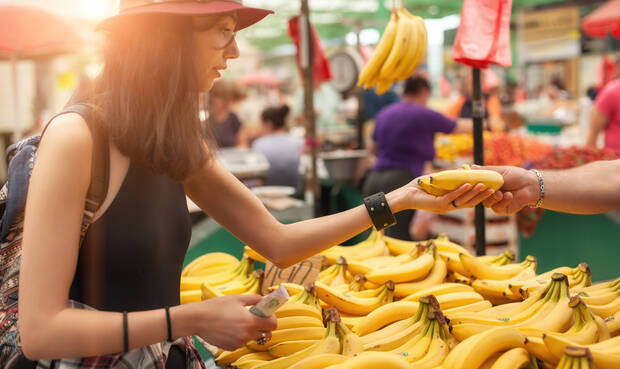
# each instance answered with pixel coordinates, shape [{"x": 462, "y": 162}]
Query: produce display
[
  {"x": 389, "y": 303},
  {"x": 499, "y": 149},
  {"x": 399, "y": 52}
]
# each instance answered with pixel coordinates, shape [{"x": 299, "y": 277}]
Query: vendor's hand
[
  {"x": 466, "y": 196},
  {"x": 230, "y": 325},
  {"x": 520, "y": 189}
]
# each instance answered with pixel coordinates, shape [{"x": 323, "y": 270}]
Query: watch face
[{"x": 344, "y": 71}]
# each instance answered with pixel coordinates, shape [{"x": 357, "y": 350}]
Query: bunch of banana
[
  {"x": 613, "y": 324},
  {"x": 357, "y": 287},
  {"x": 547, "y": 309},
  {"x": 412, "y": 270},
  {"x": 605, "y": 354},
  {"x": 443, "y": 243},
  {"x": 371, "y": 247},
  {"x": 516, "y": 358},
  {"x": 210, "y": 263},
  {"x": 440, "y": 183},
  {"x": 509, "y": 289},
  {"x": 358, "y": 306},
  {"x": 576, "y": 357},
  {"x": 457, "y": 272},
  {"x": 584, "y": 330},
  {"x": 251, "y": 285},
  {"x": 484, "y": 270},
  {"x": 336, "y": 274},
  {"x": 301, "y": 304},
  {"x": 603, "y": 298},
  {"x": 399, "y": 52},
  {"x": 233, "y": 276},
  {"x": 578, "y": 278},
  {"x": 396, "y": 333},
  {"x": 384, "y": 316},
  {"x": 474, "y": 351}
]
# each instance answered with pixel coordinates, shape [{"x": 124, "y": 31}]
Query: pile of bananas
[
  {"x": 400, "y": 51},
  {"x": 389, "y": 303}
]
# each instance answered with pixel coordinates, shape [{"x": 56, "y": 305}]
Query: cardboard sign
[{"x": 302, "y": 273}]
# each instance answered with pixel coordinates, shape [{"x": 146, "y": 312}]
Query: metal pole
[
  {"x": 306, "y": 56},
  {"x": 478, "y": 115}
]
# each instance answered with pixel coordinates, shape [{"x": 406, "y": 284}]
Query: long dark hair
[{"x": 148, "y": 94}]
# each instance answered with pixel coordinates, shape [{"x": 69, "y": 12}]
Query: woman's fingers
[
  {"x": 466, "y": 197},
  {"x": 449, "y": 197},
  {"x": 476, "y": 199}
]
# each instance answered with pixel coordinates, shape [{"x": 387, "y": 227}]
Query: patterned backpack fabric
[{"x": 20, "y": 158}]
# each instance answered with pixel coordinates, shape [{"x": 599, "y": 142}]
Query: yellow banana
[
  {"x": 453, "y": 262},
  {"x": 435, "y": 277},
  {"x": 261, "y": 355},
  {"x": 402, "y": 40},
  {"x": 606, "y": 310},
  {"x": 254, "y": 255},
  {"x": 409, "y": 57},
  {"x": 290, "y": 347},
  {"x": 298, "y": 309},
  {"x": 228, "y": 357},
  {"x": 512, "y": 359},
  {"x": 409, "y": 271},
  {"x": 613, "y": 324},
  {"x": 350, "y": 343},
  {"x": 453, "y": 179},
  {"x": 537, "y": 347},
  {"x": 329, "y": 344},
  {"x": 385, "y": 315},
  {"x": 353, "y": 305},
  {"x": 426, "y": 185},
  {"x": 439, "y": 290},
  {"x": 285, "y": 335},
  {"x": 190, "y": 296},
  {"x": 483, "y": 270},
  {"x": 210, "y": 260},
  {"x": 418, "y": 51},
  {"x": 472, "y": 308},
  {"x": 319, "y": 361},
  {"x": 387, "y": 332},
  {"x": 374, "y": 360},
  {"x": 373, "y": 67},
  {"x": 298, "y": 322},
  {"x": 452, "y": 300},
  {"x": 477, "y": 349}
]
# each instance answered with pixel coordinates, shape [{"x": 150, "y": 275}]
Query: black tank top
[{"x": 132, "y": 256}]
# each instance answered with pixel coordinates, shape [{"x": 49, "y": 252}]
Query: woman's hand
[
  {"x": 228, "y": 324},
  {"x": 466, "y": 196},
  {"x": 520, "y": 189}
]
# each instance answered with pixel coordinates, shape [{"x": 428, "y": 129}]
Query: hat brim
[{"x": 246, "y": 16}]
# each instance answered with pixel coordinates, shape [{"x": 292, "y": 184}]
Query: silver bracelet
[{"x": 541, "y": 184}]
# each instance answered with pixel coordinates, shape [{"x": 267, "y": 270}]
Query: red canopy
[
  {"x": 29, "y": 32},
  {"x": 603, "y": 20}
]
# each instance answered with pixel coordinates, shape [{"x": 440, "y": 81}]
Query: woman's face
[{"x": 215, "y": 44}]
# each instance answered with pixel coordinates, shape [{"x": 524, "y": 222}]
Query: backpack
[{"x": 20, "y": 159}]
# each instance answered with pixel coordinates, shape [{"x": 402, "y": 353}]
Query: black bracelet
[
  {"x": 379, "y": 211},
  {"x": 167, "y": 308},
  {"x": 125, "y": 333}
]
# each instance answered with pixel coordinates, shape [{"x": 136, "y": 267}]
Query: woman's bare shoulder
[{"x": 69, "y": 134}]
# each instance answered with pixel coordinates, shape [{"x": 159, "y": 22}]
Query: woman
[
  {"x": 281, "y": 149},
  {"x": 224, "y": 123},
  {"x": 161, "y": 54}
]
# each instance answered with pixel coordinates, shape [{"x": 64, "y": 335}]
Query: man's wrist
[{"x": 537, "y": 189}]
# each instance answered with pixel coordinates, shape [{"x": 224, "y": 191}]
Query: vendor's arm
[
  {"x": 49, "y": 329},
  {"x": 590, "y": 189},
  {"x": 234, "y": 206},
  {"x": 598, "y": 121},
  {"x": 464, "y": 125}
]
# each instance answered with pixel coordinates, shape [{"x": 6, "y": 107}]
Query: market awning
[{"x": 603, "y": 21}]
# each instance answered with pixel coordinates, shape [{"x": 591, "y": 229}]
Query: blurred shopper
[
  {"x": 605, "y": 115},
  {"x": 404, "y": 138},
  {"x": 224, "y": 123},
  {"x": 281, "y": 149}
]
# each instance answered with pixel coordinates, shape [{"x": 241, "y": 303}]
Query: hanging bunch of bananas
[{"x": 400, "y": 51}]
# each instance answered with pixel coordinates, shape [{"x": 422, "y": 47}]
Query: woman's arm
[
  {"x": 232, "y": 205},
  {"x": 48, "y": 328}
]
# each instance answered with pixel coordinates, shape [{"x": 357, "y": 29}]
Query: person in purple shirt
[{"x": 404, "y": 138}]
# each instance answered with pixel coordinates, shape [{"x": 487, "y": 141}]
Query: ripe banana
[
  {"x": 385, "y": 315},
  {"x": 402, "y": 41},
  {"x": 613, "y": 324},
  {"x": 210, "y": 261},
  {"x": 489, "y": 271},
  {"x": 439, "y": 290},
  {"x": 298, "y": 309},
  {"x": 329, "y": 344},
  {"x": 290, "y": 347},
  {"x": 350, "y": 343},
  {"x": 452, "y": 179},
  {"x": 373, "y": 360},
  {"x": 319, "y": 361},
  {"x": 254, "y": 255},
  {"x": 353, "y": 305},
  {"x": 373, "y": 67},
  {"x": 298, "y": 322},
  {"x": 513, "y": 359},
  {"x": 285, "y": 335},
  {"x": 420, "y": 50},
  {"x": 228, "y": 357},
  {"x": 435, "y": 277},
  {"x": 409, "y": 58},
  {"x": 477, "y": 349},
  {"x": 409, "y": 271}
]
